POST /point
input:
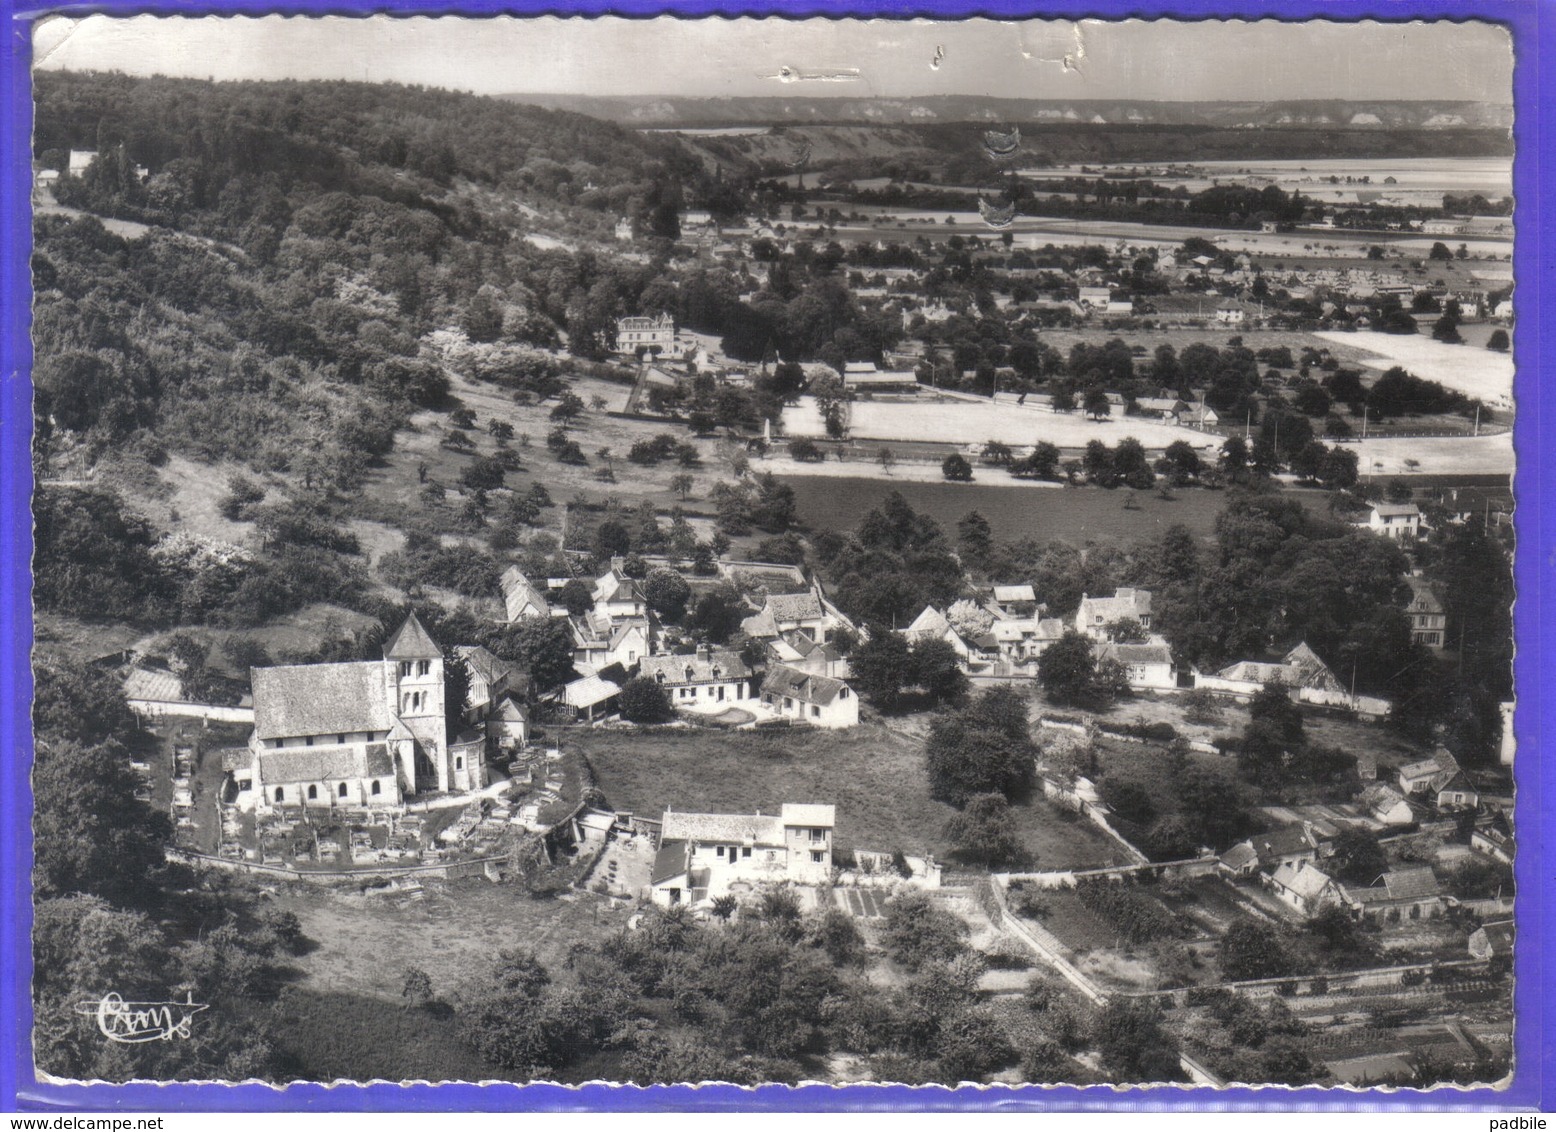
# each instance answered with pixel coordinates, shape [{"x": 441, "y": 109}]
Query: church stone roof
[
  {"x": 320, "y": 699},
  {"x": 326, "y": 764}
]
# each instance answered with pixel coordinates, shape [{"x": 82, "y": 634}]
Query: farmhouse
[
  {"x": 800, "y": 652},
  {"x": 1288, "y": 845},
  {"x": 1097, "y": 613},
  {"x": 639, "y": 332},
  {"x": 782, "y": 615},
  {"x": 710, "y": 676},
  {"x": 1384, "y": 804},
  {"x": 1241, "y": 860},
  {"x": 617, "y": 596},
  {"x": 1403, "y": 894},
  {"x": 1021, "y": 640},
  {"x": 599, "y": 643},
  {"x": 1231, "y": 314},
  {"x": 1304, "y": 887},
  {"x": 1457, "y": 794},
  {"x": 701, "y": 856},
  {"x": 1145, "y": 666},
  {"x": 932, "y": 625},
  {"x": 819, "y": 700},
  {"x": 359, "y": 733},
  {"x": 1429, "y": 775},
  {"x": 1395, "y": 520}
]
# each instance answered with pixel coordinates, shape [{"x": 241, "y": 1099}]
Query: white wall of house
[
  {"x": 841, "y": 712},
  {"x": 697, "y": 695}
]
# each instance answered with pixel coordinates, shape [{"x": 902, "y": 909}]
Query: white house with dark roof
[
  {"x": 361, "y": 732},
  {"x": 701, "y": 855},
  {"x": 696, "y": 680},
  {"x": 822, "y": 701},
  {"x": 1146, "y": 666},
  {"x": 1394, "y": 520}
]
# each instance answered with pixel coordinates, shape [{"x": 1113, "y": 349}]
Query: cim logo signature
[{"x": 133, "y": 1022}]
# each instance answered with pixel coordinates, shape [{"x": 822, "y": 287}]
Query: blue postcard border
[{"x": 1535, "y": 489}]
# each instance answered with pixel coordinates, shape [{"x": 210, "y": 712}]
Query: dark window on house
[
  {"x": 308, "y": 741},
  {"x": 815, "y": 711},
  {"x": 745, "y": 851},
  {"x": 423, "y": 667},
  {"x": 313, "y": 792},
  {"x": 377, "y": 787},
  {"x": 459, "y": 762},
  {"x": 342, "y": 790},
  {"x": 718, "y": 851},
  {"x": 341, "y": 737},
  {"x": 405, "y": 668},
  {"x": 815, "y": 856},
  {"x": 280, "y": 794}
]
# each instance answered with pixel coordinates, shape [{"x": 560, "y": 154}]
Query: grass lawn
[{"x": 874, "y": 775}]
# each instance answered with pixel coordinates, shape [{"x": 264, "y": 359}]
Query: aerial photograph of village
[{"x": 668, "y": 551}]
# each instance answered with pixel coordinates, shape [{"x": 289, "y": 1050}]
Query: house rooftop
[
  {"x": 692, "y": 668},
  {"x": 1303, "y": 879},
  {"x": 737, "y": 829},
  {"x": 808, "y": 814},
  {"x": 804, "y": 686},
  {"x": 672, "y": 860},
  {"x": 794, "y": 607}
]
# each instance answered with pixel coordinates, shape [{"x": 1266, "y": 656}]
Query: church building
[{"x": 361, "y": 733}]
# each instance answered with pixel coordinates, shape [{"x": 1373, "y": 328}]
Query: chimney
[{"x": 704, "y": 652}]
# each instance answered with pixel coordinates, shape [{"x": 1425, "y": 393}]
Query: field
[
  {"x": 875, "y": 776},
  {"x": 1480, "y": 373},
  {"x": 1016, "y": 510},
  {"x": 977, "y": 422}
]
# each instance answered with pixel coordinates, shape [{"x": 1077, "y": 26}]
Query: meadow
[{"x": 874, "y": 775}]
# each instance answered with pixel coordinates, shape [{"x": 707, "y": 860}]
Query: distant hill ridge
[{"x": 670, "y": 111}]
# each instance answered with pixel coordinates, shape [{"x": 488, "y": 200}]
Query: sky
[{"x": 1145, "y": 60}]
